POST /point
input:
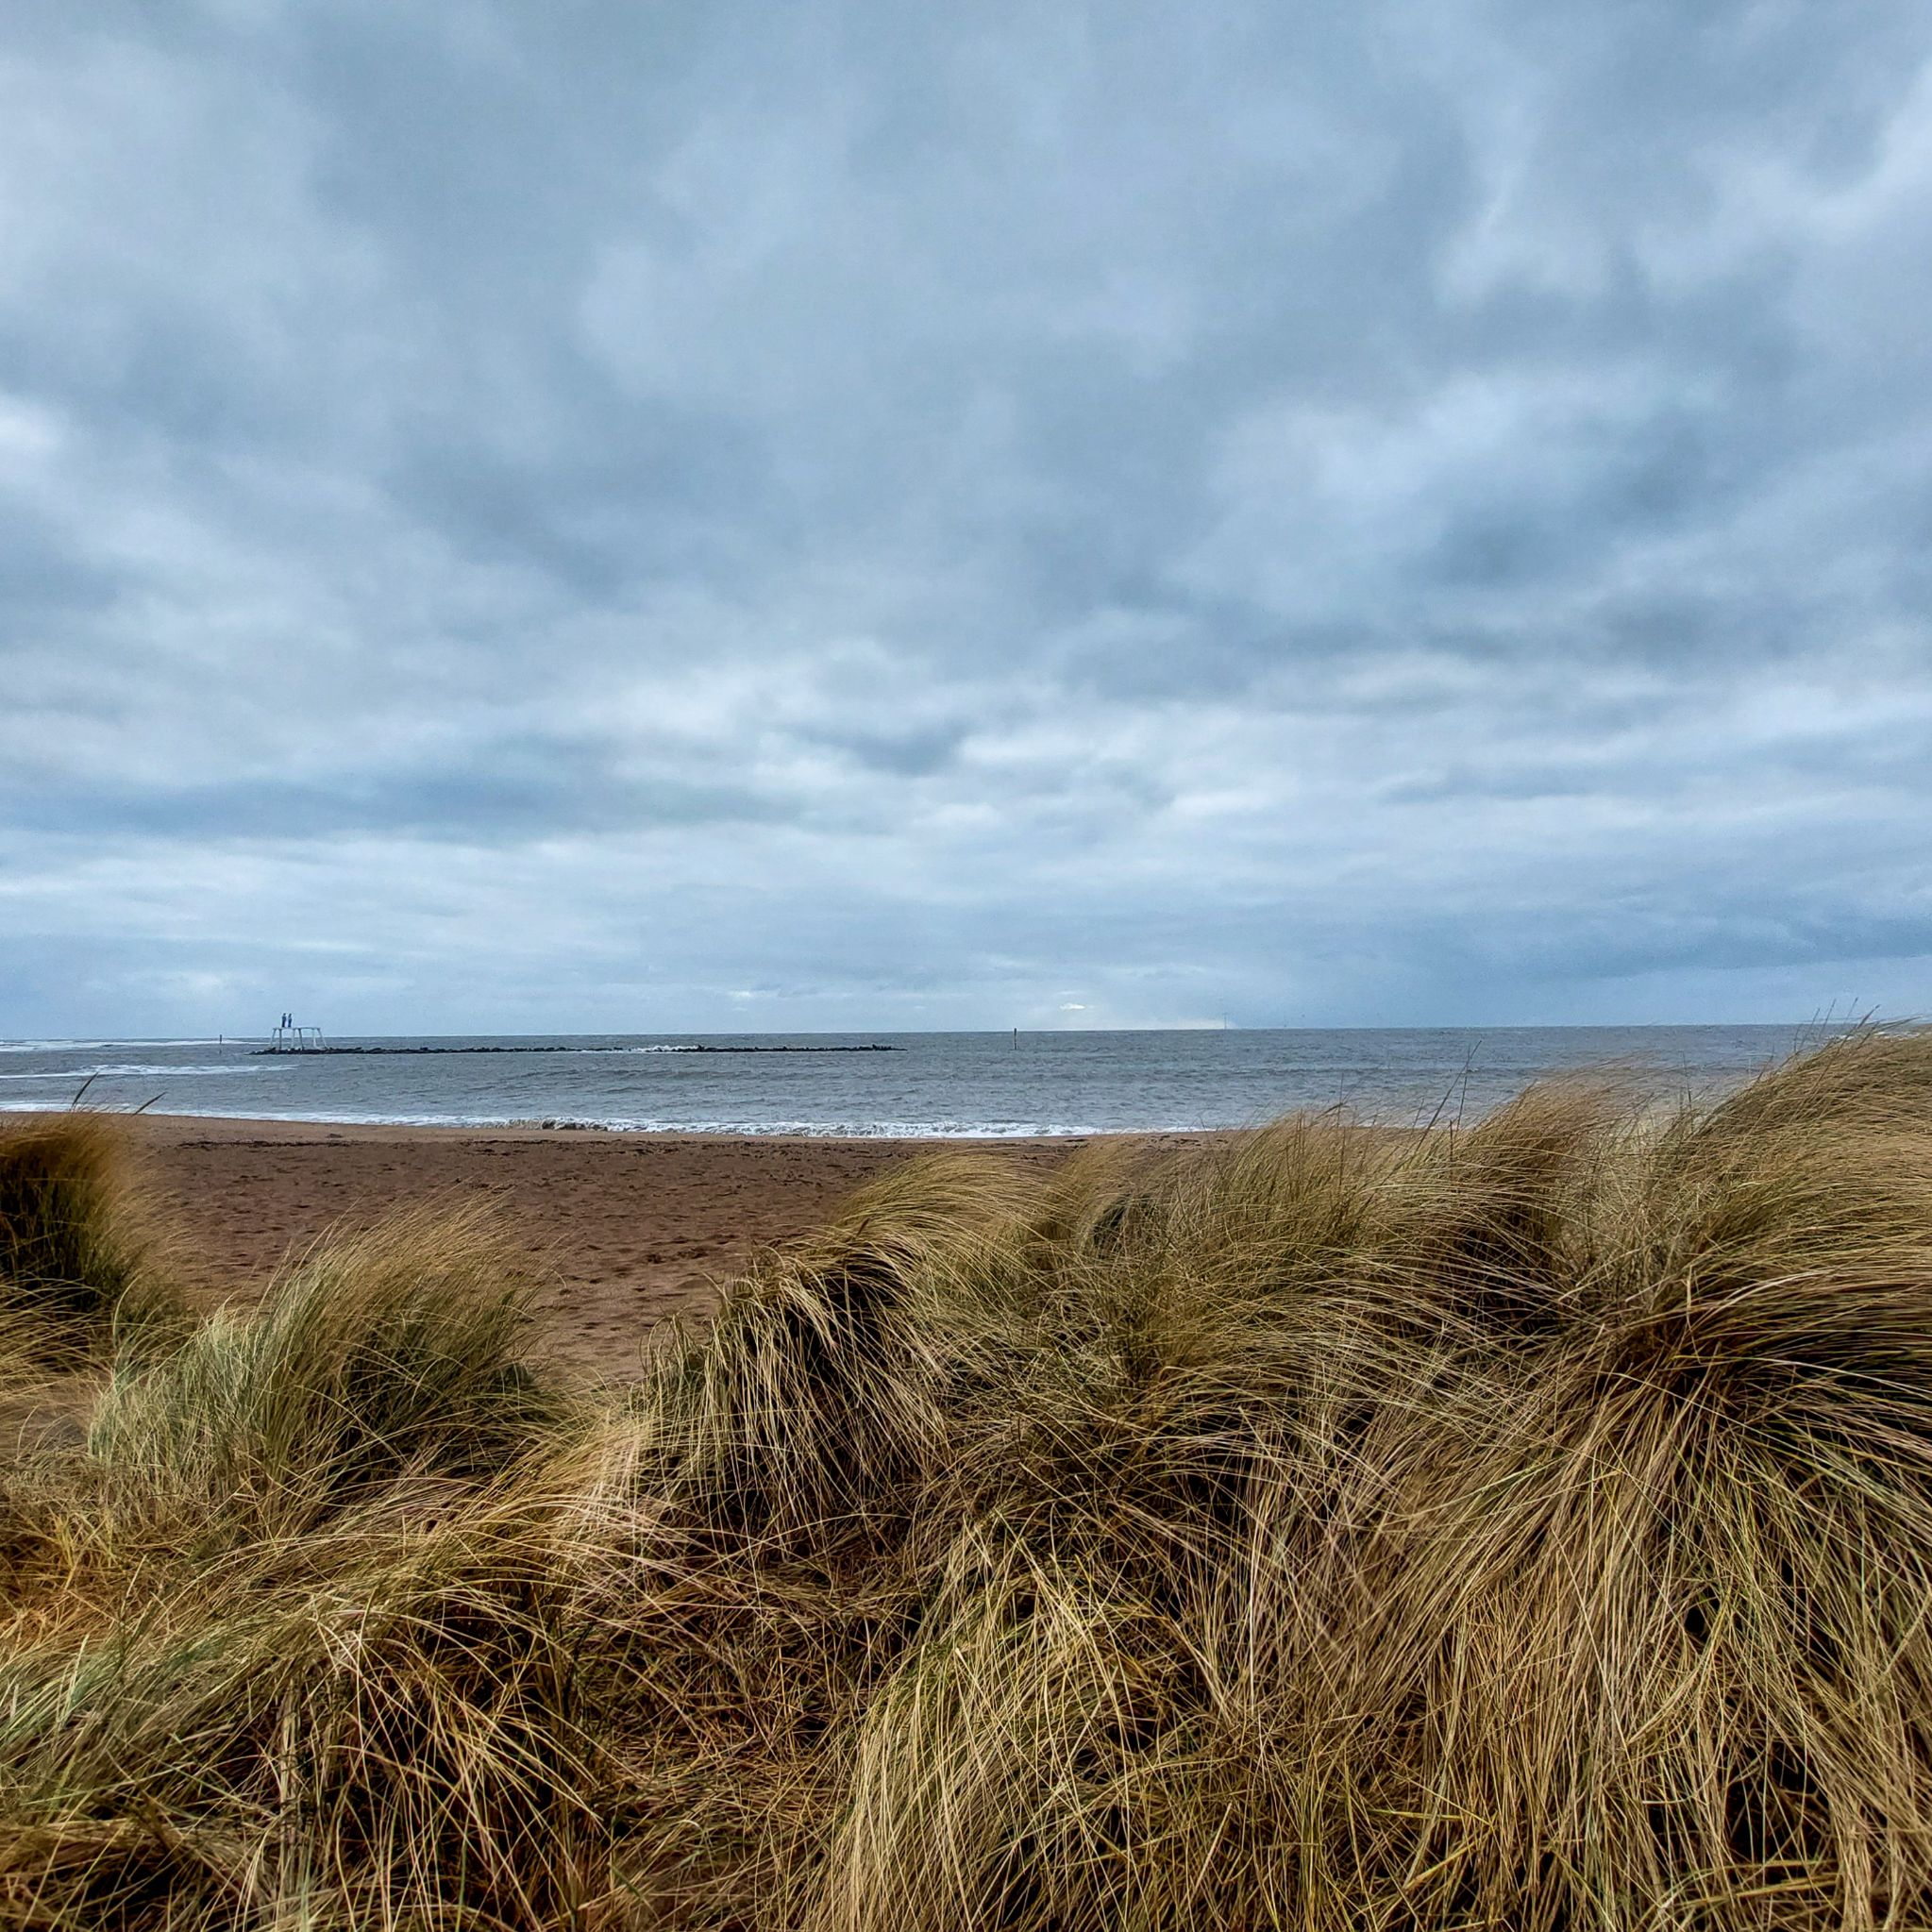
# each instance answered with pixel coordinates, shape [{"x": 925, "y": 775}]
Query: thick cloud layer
[{"x": 593, "y": 516}]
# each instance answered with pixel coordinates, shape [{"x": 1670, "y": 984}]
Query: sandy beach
[{"x": 626, "y": 1228}]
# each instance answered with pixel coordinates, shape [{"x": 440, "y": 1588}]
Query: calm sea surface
[{"x": 933, "y": 1083}]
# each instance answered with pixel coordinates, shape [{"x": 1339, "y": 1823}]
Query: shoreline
[
  {"x": 912, "y": 1135},
  {"x": 305, "y": 1127}
]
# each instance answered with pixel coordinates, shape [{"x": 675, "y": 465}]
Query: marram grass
[
  {"x": 76, "y": 1249},
  {"x": 1527, "y": 1527}
]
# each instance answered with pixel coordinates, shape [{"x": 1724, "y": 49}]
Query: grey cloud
[
  {"x": 486, "y": 803},
  {"x": 880, "y": 747}
]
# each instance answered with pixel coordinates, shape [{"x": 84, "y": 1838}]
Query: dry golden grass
[
  {"x": 76, "y": 1247},
  {"x": 1525, "y": 1526}
]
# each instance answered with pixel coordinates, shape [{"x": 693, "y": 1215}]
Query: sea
[{"x": 894, "y": 1085}]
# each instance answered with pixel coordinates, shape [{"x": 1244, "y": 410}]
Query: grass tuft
[{"x": 76, "y": 1252}]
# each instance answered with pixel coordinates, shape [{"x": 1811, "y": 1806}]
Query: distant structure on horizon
[{"x": 290, "y": 1038}]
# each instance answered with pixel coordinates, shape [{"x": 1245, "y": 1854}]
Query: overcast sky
[{"x": 681, "y": 516}]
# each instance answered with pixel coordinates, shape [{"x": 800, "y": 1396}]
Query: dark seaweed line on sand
[{"x": 316, "y": 1052}]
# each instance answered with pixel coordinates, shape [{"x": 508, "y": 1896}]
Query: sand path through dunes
[{"x": 630, "y": 1227}]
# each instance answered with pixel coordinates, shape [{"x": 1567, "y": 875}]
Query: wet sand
[{"x": 627, "y": 1227}]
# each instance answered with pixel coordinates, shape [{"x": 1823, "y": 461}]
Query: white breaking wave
[
  {"x": 96, "y": 1046},
  {"x": 112, "y": 1073},
  {"x": 819, "y": 1130},
  {"x": 802, "y": 1130}
]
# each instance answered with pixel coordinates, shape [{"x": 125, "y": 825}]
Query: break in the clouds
[{"x": 678, "y": 517}]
